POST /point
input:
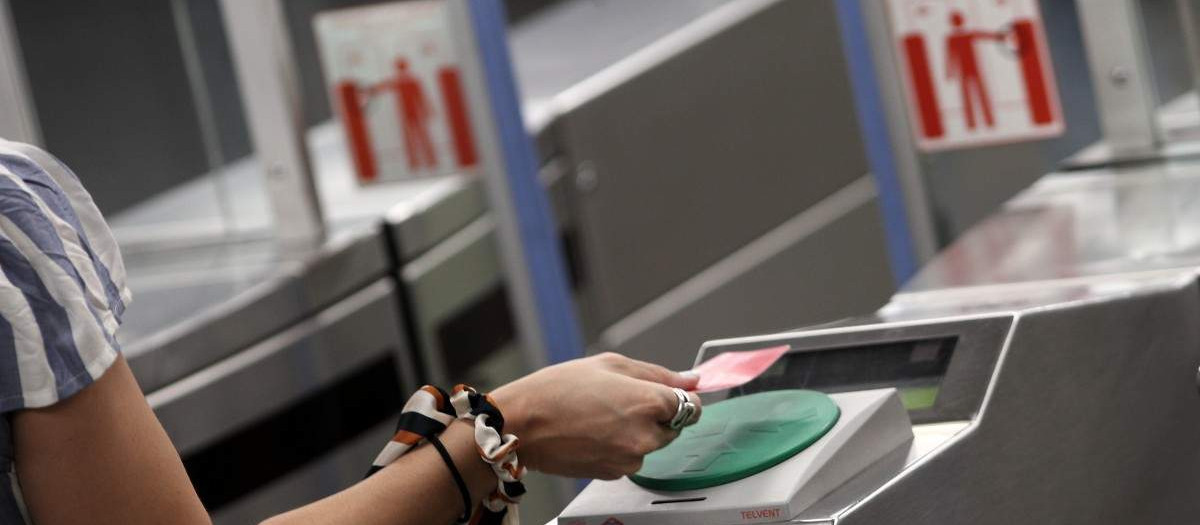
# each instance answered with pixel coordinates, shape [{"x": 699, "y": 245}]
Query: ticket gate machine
[
  {"x": 1082, "y": 411},
  {"x": 1046, "y": 361}
]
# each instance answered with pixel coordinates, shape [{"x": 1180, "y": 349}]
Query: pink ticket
[{"x": 732, "y": 369}]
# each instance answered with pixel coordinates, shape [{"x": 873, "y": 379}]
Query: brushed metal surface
[
  {"x": 193, "y": 316},
  {"x": 1082, "y": 409},
  {"x": 739, "y": 145},
  {"x": 210, "y": 403},
  {"x": 417, "y": 224},
  {"x": 1079, "y": 224},
  {"x": 1122, "y": 74},
  {"x": 1091, "y": 417},
  {"x": 445, "y": 281},
  {"x": 755, "y": 288}
]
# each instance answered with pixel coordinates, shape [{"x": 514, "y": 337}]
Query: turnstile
[{"x": 1047, "y": 362}]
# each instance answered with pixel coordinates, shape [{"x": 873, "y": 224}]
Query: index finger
[{"x": 655, "y": 373}]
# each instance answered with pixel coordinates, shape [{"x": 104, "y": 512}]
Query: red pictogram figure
[
  {"x": 963, "y": 64},
  {"x": 415, "y": 115}
]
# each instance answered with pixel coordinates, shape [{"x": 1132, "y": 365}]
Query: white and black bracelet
[{"x": 427, "y": 414}]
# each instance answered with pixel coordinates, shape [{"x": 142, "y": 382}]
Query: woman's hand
[{"x": 595, "y": 417}]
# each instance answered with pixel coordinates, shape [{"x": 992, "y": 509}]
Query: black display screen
[{"x": 915, "y": 368}]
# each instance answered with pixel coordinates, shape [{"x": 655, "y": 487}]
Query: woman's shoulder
[{"x": 62, "y": 282}]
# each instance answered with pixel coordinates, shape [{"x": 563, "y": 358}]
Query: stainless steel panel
[
  {"x": 703, "y": 141},
  {"x": 417, "y": 224},
  {"x": 1080, "y": 225},
  {"x": 826, "y": 263},
  {"x": 196, "y": 306},
  {"x": 1092, "y": 417},
  {"x": 199, "y": 299},
  {"x": 567, "y": 43},
  {"x": 1122, "y": 74},
  {"x": 445, "y": 281},
  {"x": 210, "y": 404},
  {"x": 1081, "y": 410}
]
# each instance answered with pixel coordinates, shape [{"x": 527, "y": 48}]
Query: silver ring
[{"x": 684, "y": 412}]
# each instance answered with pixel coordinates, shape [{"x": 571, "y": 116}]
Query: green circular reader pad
[{"x": 738, "y": 438}]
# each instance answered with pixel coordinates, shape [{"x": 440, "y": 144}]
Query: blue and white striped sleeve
[{"x": 62, "y": 282}]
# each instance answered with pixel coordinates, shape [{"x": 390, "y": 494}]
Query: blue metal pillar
[
  {"x": 872, "y": 121},
  {"x": 537, "y": 235}
]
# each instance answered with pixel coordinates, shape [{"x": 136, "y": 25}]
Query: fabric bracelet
[
  {"x": 427, "y": 414},
  {"x": 497, "y": 449}
]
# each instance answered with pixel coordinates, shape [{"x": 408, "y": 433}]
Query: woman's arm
[
  {"x": 102, "y": 457},
  {"x": 591, "y": 418},
  {"x": 416, "y": 489}
]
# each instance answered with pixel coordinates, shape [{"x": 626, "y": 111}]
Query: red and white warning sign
[
  {"x": 976, "y": 72},
  {"x": 395, "y": 85}
]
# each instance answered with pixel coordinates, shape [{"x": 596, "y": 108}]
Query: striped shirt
[{"x": 62, "y": 293}]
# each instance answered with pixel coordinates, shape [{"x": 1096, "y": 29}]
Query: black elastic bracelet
[{"x": 458, "y": 480}]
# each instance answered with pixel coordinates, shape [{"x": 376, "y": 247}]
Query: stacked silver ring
[{"x": 685, "y": 412}]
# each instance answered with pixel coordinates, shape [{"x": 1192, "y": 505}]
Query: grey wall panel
[
  {"x": 721, "y": 141},
  {"x": 839, "y": 270},
  {"x": 212, "y": 46},
  {"x": 111, "y": 94}
]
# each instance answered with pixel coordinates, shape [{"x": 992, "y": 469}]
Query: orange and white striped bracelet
[{"x": 427, "y": 414}]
